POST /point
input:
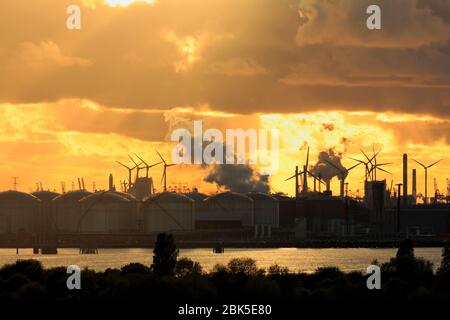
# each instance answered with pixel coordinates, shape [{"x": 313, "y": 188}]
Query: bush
[
  {"x": 246, "y": 266},
  {"x": 186, "y": 266}
]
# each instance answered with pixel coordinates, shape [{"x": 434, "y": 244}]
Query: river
[{"x": 305, "y": 260}]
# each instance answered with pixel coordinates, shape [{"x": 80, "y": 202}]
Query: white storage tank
[
  {"x": 168, "y": 211},
  {"x": 45, "y": 196},
  {"x": 227, "y": 210},
  {"x": 132, "y": 222},
  {"x": 265, "y": 208},
  {"x": 19, "y": 212},
  {"x": 48, "y": 220},
  {"x": 199, "y": 204},
  {"x": 106, "y": 212},
  {"x": 67, "y": 210}
]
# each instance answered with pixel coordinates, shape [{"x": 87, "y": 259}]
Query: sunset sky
[{"x": 72, "y": 102}]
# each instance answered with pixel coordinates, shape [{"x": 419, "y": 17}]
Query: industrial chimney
[
  {"x": 414, "y": 185},
  {"x": 111, "y": 183},
  {"x": 405, "y": 179}
]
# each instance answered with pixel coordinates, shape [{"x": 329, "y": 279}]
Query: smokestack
[
  {"x": 111, "y": 182},
  {"x": 405, "y": 179},
  {"x": 414, "y": 184},
  {"x": 342, "y": 187},
  {"x": 79, "y": 184},
  {"x": 328, "y": 185},
  {"x": 296, "y": 181},
  {"x": 82, "y": 183},
  {"x": 305, "y": 180}
]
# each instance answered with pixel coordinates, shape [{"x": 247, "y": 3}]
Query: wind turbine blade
[
  {"x": 384, "y": 164},
  {"x": 360, "y": 161},
  {"x": 307, "y": 158},
  {"x": 290, "y": 178},
  {"x": 434, "y": 163},
  {"x": 317, "y": 178},
  {"x": 160, "y": 156},
  {"x": 375, "y": 155},
  {"x": 141, "y": 159},
  {"x": 419, "y": 163},
  {"x": 384, "y": 170},
  {"x": 353, "y": 166},
  {"x": 123, "y": 165},
  {"x": 133, "y": 160},
  {"x": 293, "y": 176},
  {"x": 153, "y": 165},
  {"x": 365, "y": 155},
  {"x": 334, "y": 166},
  {"x": 170, "y": 165}
]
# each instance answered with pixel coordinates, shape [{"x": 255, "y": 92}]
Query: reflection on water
[{"x": 306, "y": 260}]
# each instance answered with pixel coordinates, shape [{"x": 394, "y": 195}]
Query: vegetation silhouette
[
  {"x": 404, "y": 277},
  {"x": 165, "y": 255}
]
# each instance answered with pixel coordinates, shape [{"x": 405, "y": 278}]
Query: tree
[
  {"x": 186, "y": 266},
  {"x": 277, "y": 270},
  {"x": 405, "y": 249},
  {"x": 445, "y": 263},
  {"x": 245, "y": 266},
  {"x": 165, "y": 255}
]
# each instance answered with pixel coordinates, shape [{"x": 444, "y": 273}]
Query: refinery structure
[{"x": 132, "y": 213}]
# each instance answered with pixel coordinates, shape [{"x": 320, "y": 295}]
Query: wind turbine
[
  {"x": 164, "y": 176},
  {"x": 426, "y": 176},
  {"x": 344, "y": 172},
  {"x": 304, "y": 173},
  {"x": 371, "y": 172},
  {"x": 129, "y": 172},
  {"x": 136, "y": 166},
  {"x": 146, "y": 166}
]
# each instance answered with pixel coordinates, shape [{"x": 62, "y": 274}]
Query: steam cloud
[
  {"x": 238, "y": 178},
  {"x": 325, "y": 170}
]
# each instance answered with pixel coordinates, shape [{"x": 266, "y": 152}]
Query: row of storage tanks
[{"x": 119, "y": 212}]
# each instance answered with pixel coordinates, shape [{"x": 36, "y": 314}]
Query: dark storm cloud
[{"x": 247, "y": 56}]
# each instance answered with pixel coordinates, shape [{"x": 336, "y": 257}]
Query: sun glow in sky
[
  {"x": 74, "y": 102},
  {"x": 124, "y": 3}
]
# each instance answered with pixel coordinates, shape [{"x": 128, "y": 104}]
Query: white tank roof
[
  {"x": 229, "y": 196},
  {"x": 72, "y": 195},
  {"x": 104, "y": 196},
  {"x": 17, "y": 196},
  {"x": 259, "y": 196},
  {"x": 126, "y": 195},
  {"x": 168, "y": 197},
  {"x": 196, "y": 196},
  {"x": 45, "y": 195}
]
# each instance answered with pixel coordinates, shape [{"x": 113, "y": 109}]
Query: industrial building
[
  {"x": 265, "y": 208},
  {"x": 47, "y": 223},
  {"x": 106, "y": 212},
  {"x": 168, "y": 211},
  {"x": 200, "y": 207},
  {"x": 227, "y": 210},
  {"x": 19, "y": 212},
  {"x": 66, "y": 208}
]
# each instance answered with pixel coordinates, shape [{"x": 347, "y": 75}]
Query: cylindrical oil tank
[
  {"x": 45, "y": 196},
  {"x": 67, "y": 210},
  {"x": 19, "y": 212},
  {"x": 132, "y": 222},
  {"x": 168, "y": 211},
  {"x": 199, "y": 204},
  {"x": 48, "y": 221},
  {"x": 105, "y": 212},
  {"x": 265, "y": 208},
  {"x": 228, "y": 210}
]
